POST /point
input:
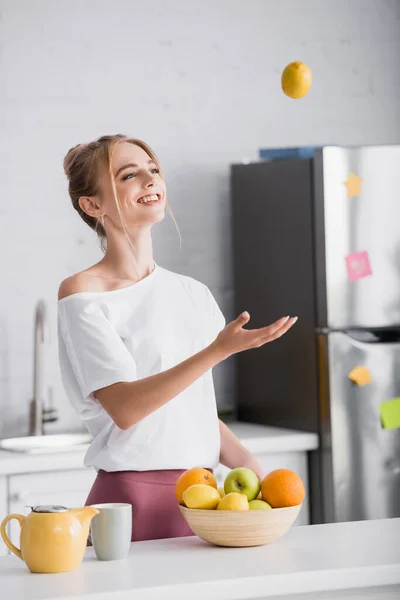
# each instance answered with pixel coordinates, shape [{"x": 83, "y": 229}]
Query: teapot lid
[{"x": 48, "y": 508}]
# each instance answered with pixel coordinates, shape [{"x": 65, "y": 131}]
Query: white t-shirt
[{"x": 132, "y": 333}]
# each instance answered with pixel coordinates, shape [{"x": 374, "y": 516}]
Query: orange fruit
[
  {"x": 191, "y": 477},
  {"x": 296, "y": 80},
  {"x": 282, "y": 487}
]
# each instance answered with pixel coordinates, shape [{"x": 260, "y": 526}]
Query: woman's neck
[{"x": 126, "y": 261}]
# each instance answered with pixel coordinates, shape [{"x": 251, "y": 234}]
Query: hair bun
[{"x": 70, "y": 158}]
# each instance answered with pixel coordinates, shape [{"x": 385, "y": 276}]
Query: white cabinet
[
  {"x": 67, "y": 488},
  {"x": 296, "y": 461}
]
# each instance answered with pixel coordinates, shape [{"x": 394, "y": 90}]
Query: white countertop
[
  {"x": 308, "y": 560},
  {"x": 261, "y": 438},
  {"x": 18, "y": 462},
  {"x": 257, "y": 438}
]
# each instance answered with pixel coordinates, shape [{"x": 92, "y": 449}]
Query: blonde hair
[{"x": 82, "y": 166}]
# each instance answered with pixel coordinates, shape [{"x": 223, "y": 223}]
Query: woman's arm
[
  {"x": 233, "y": 454},
  {"x": 130, "y": 399},
  {"x": 129, "y": 402}
]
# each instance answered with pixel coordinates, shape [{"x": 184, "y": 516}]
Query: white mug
[{"x": 111, "y": 530}]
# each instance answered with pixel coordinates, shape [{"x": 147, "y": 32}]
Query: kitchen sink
[{"x": 39, "y": 444}]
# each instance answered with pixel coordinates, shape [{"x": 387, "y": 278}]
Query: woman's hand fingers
[
  {"x": 270, "y": 329},
  {"x": 274, "y": 331},
  {"x": 233, "y": 338}
]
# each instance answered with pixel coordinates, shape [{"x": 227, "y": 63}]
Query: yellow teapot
[{"x": 53, "y": 538}]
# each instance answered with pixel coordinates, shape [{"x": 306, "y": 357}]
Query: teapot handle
[{"x": 7, "y": 541}]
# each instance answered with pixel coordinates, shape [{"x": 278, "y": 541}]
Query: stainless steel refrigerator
[{"x": 319, "y": 237}]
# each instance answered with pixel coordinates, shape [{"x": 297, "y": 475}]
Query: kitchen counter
[
  {"x": 12, "y": 463},
  {"x": 257, "y": 438},
  {"x": 338, "y": 560},
  {"x": 261, "y": 438}
]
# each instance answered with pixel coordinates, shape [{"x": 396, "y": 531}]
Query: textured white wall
[{"x": 200, "y": 82}]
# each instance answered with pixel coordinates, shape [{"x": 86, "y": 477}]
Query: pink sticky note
[{"x": 358, "y": 265}]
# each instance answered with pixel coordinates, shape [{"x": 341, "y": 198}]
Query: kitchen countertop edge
[{"x": 256, "y": 438}]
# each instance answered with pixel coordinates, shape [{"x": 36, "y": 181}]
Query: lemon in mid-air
[{"x": 296, "y": 80}]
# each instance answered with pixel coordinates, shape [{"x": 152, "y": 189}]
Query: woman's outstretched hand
[{"x": 233, "y": 338}]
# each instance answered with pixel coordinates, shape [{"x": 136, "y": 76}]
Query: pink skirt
[{"x": 155, "y": 509}]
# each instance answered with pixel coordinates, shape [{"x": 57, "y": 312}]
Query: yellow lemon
[
  {"x": 233, "y": 501},
  {"x": 296, "y": 80},
  {"x": 201, "y": 495}
]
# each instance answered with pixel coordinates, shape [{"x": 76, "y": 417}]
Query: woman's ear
[{"x": 90, "y": 206}]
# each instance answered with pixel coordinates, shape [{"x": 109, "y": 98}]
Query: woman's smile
[{"x": 150, "y": 200}]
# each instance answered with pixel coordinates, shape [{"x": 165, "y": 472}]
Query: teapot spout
[{"x": 85, "y": 515}]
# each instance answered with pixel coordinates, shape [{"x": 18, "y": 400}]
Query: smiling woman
[
  {"x": 137, "y": 344},
  {"x": 92, "y": 174}
]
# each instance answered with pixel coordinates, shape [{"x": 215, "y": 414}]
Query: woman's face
[{"x": 140, "y": 188}]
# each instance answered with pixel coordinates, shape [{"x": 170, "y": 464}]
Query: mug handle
[{"x": 7, "y": 541}]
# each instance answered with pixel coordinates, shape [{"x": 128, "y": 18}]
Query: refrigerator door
[
  {"x": 361, "y": 225},
  {"x": 361, "y": 470}
]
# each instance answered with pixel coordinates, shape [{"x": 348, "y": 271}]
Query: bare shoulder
[
  {"x": 73, "y": 285},
  {"x": 85, "y": 281}
]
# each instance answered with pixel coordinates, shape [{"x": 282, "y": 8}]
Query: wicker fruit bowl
[{"x": 240, "y": 528}]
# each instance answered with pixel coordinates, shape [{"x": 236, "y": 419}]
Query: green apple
[
  {"x": 243, "y": 480},
  {"x": 259, "y": 505}
]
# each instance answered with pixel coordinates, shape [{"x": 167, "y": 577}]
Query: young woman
[{"x": 137, "y": 344}]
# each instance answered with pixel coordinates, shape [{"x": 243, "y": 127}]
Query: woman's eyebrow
[{"x": 130, "y": 165}]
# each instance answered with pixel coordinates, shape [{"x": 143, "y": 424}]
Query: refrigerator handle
[
  {"x": 379, "y": 336},
  {"x": 394, "y": 329}
]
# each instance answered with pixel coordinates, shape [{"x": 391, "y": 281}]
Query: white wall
[{"x": 200, "y": 82}]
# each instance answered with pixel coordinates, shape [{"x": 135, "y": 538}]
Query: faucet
[{"x": 38, "y": 413}]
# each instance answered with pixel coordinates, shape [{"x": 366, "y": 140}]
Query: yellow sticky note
[
  {"x": 390, "y": 413},
  {"x": 360, "y": 375},
  {"x": 353, "y": 185}
]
